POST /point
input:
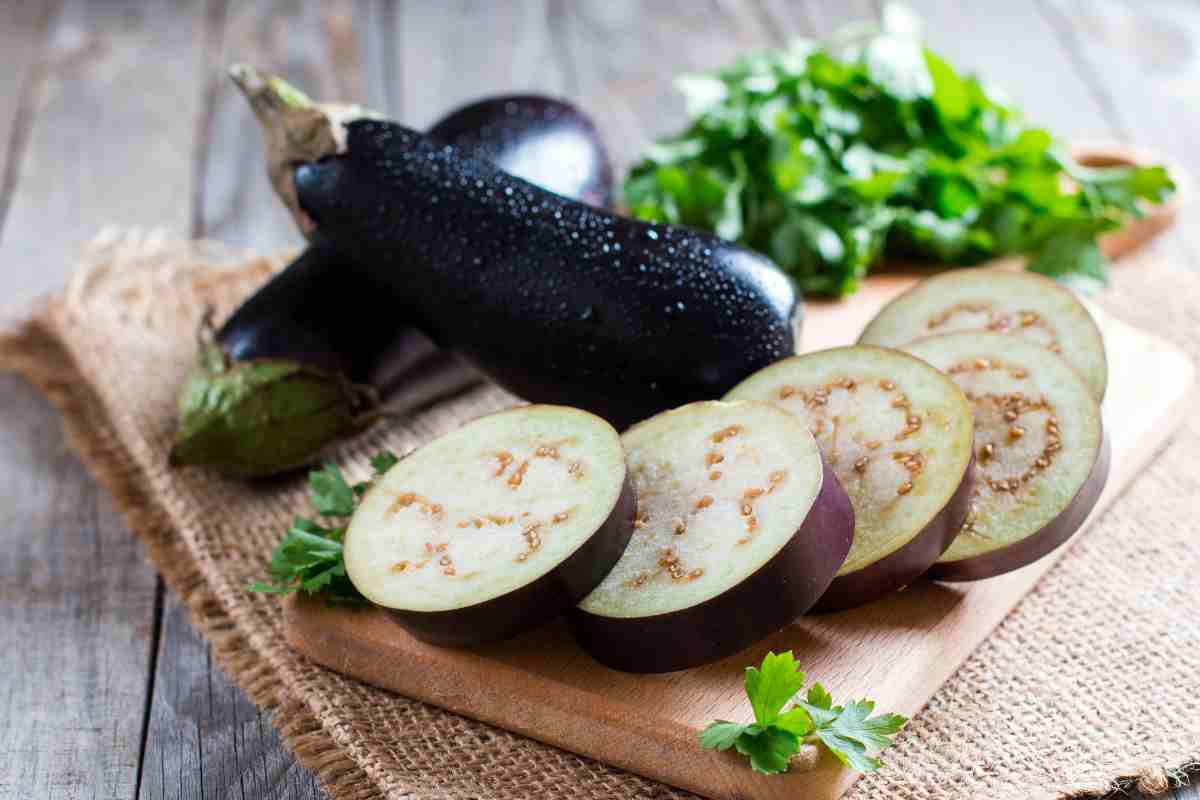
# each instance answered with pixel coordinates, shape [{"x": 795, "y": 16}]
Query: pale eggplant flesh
[
  {"x": 898, "y": 433},
  {"x": 1022, "y": 304},
  {"x": 1042, "y": 456},
  {"x": 741, "y": 527},
  {"x": 495, "y": 528}
]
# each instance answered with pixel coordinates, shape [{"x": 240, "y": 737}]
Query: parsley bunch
[
  {"x": 825, "y": 156},
  {"x": 310, "y": 555},
  {"x": 849, "y": 731}
]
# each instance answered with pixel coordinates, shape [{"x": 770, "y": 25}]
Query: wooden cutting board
[{"x": 898, "y": 650}]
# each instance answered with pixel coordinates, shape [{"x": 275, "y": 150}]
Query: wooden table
[{"x": 119, "y": 113}]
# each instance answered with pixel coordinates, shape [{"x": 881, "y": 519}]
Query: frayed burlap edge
[
  {"x": 1149, "y": 781},
  {"x": 34, "y": 353}
]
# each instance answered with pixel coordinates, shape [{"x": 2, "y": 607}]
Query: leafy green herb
[
  {"x": 826, "y": 156},
  {"x": 310, "y": 556},
  {"x": 849, "y": 731}
]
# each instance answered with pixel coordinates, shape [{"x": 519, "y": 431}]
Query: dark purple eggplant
[
  {"x": 283, "y": 376},
  {"x": 556, "y": 300},
  {"x": 545, "y": 141}
]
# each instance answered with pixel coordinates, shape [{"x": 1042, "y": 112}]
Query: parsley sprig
[
  {"x": 309, "y": 557},
  {"x": 827, "y": 155},
  {"x": 848, "y": 731}
]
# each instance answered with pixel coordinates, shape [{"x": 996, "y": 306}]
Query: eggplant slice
[
  {"x": 496, "y": 527},
  {"x": 1041, "y": 453},
  {"x": 898, "y": 433},
  {"x": 1021, "y": 303},
  {"x": 740, "y": 528}
]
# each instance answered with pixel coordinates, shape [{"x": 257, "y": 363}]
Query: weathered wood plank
[
  {"x": 22, "y": 32},
  {"x": 446, "y": 54},
  {"x": 310, "y": 43},
  {"x": 76, "y": 618},
  {"x": 624, "y": 56},
  {"x": 206, "y": 739},
  {"x": 813, "y": 18},
  {"x": 111, "y": 143},
  {"x": 109, "y": 140}
]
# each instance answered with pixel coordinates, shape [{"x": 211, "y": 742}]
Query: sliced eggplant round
[
  {"x": 1020, "y": 303},
  {"x": 1040, "y": 451},
  {"x": 898, "y": 433},
  {"x": 740, "y": 528},
  {"x": 494, "y": 528}
]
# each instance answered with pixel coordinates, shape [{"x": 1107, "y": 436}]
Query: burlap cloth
[{"x": 1093, "y": 681}]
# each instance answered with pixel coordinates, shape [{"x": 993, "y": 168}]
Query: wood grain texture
[
  {"x": 76, "y": 616},
  {"x": 304, "y": 40},
  {"x": 22, "y": 33},
  {"x": 104, "y": 142},
  {"x": 206, "y": 739},
  {"x": 898, "y": 650},
  {"x": 816, "y": 19},
  {"x": 115, "y": 111},
  {"x": 448, "y": 53},
  {"x": 625, "y": 54}
]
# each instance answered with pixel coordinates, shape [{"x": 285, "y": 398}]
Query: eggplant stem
[{"x": 295, "y": 129}]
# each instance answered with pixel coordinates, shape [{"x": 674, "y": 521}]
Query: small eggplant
[
  {"x": 557, "y": 301},
  {"x": 293, "y": 369}
]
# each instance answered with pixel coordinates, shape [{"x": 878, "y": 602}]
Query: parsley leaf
[
  {"x": 721, "y": 734},
  {"x": 828, "y": 156},
  {"x": 772, "y": 685},
  {"x": 382, "y": 461},
  {"x": 849, "y": 732},
  {"x": 331, "y": 496},
  {"x": 769, "y": 749},
  {"x": 309, "y": 558}
]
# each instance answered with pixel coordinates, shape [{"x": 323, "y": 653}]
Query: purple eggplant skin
[
  {"x": 1031, "y": 548},
  {"x": 296, "y": 316},
  {"x": 908, "y": 563},
  {"x": 776, "y": 594},
  {"x": 546, "y": 141},
  {"x": 537, "y": 602},
  {"x": 557, "y": 301},
  {"x": 341, "y": 328},
  {"x": 301, "y": 313}
]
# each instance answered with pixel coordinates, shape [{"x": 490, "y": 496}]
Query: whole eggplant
[
  {"x": 556, "y": 300},
  {"x": 303, "y": 360}
]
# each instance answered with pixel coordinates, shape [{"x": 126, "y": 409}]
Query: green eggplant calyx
[
  {"x": 295, "y": 129},
  {"x": 261, "y": 417}
]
